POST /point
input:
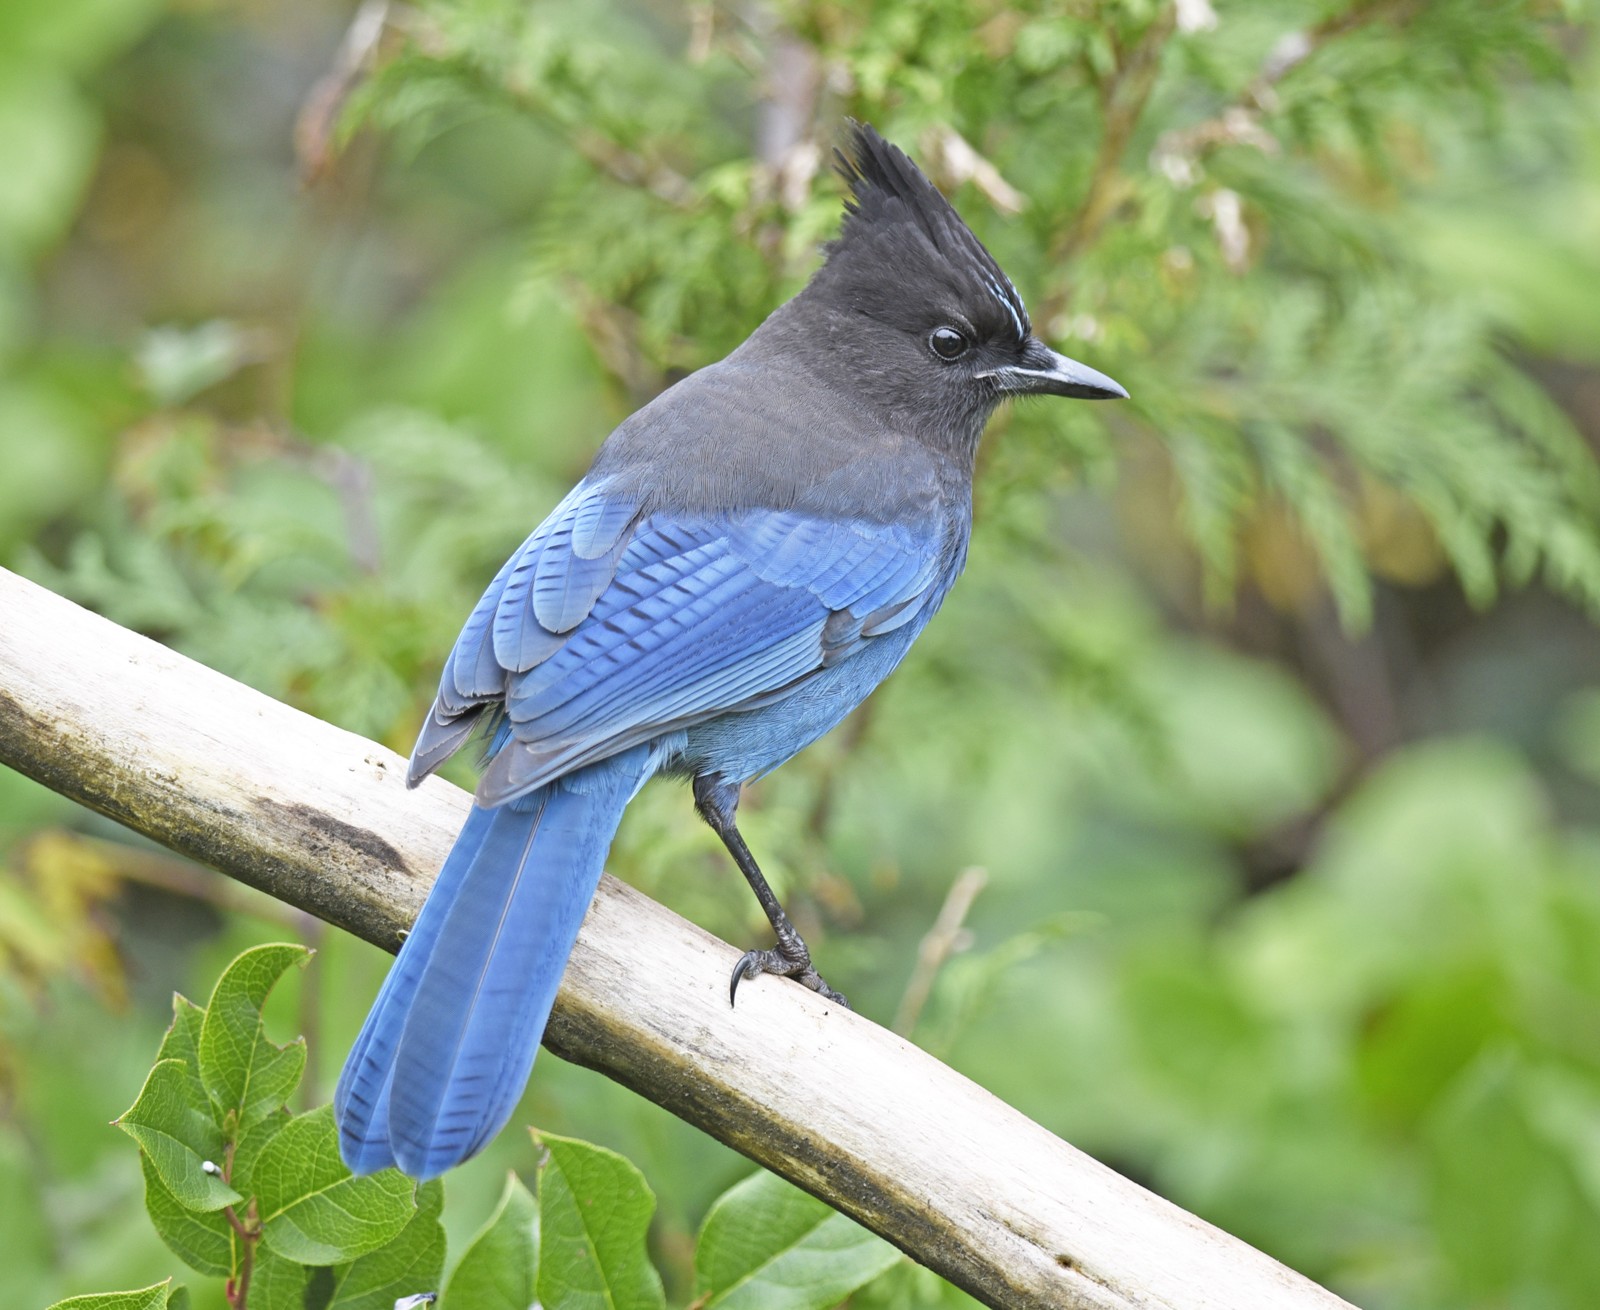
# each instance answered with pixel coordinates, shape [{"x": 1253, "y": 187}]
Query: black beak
[{"x": 1042, "y": 372}]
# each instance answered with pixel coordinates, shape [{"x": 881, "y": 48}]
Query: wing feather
[{"x": 604, "y": 631}]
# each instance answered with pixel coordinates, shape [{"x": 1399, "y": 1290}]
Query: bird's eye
[{"x": 947, "y": 343}]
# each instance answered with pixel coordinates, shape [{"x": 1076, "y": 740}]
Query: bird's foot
[{"x": 788, "y": 960}]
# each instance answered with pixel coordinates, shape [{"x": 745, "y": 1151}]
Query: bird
[{"x": 749, "y": 555}]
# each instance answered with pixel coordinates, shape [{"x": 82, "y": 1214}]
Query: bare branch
[{"x": 321, "y": 818}]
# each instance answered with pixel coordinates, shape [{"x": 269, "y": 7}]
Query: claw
[
  {"x": 748, "y": 967},
  {"x": 716, "y": 798},
  {"x": 786, "y": 965}
]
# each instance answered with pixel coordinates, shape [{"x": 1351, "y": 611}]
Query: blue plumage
[
  {"x": 701, "y": 618},
  {"x": 446, "y": 1051},
  {"x": 751, "y": 554}
]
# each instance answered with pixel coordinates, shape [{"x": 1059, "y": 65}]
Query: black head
[{"x": 929, "y": 322}]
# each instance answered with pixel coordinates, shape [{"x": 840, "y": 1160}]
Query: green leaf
[
  {"x": 248, "y": 1147},
  {"x": 49, "y": 134},
  {"x": 181, "y": 1041},
  {"x": 766, "y": 1245},
  {"x": 277, "y": 1283},
  {"x": 251, "y": 1142},
  {"x": 499, "y": 1269},
  {"x": 313, "y": 1209},
  {"x": 408, "y": 1266},
  {"x": 158, "y": 1297},
  {"x": 180, "y": 1138},
  {"x": 204, "y": 1241},
  {"x": 1515, "y": 1162},
  {"x": 594, "y": 1211},
  {"x": 241, "y": 1069}
]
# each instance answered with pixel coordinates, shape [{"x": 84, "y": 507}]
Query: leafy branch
[
  {"x": 239, "y": 1189},
  {"x": 1122, "y": 95}
]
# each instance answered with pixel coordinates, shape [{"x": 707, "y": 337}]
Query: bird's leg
[{"x": 717, "y": 800}]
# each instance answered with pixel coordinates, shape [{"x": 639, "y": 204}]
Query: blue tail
[{"x": 445, "y": 1053}]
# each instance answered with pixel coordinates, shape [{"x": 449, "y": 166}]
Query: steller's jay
[{"x": 749, "y": 556}]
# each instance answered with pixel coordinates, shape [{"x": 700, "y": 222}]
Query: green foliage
[
  {"x": 388, "y": 1275},
  {"x": 1303, "y": 344},
  {"x": 767, "y": 1244},
  {"x": 179, "y": 1138},
  {"x": 239, "y": 1189},
  {"x": 247, "y": 1077},
  {"x": 277, "y": 1282},
  {"x": 1398, "y": 1028},
  {"x": 499, "y": 1269},
  {"x": 162, "y": 1296},
  {"x": 594, "y": 1210},
  {"x": 203, "y": 1240},
  {"x": 176, "y": 365},
  {"x": 313, "y": 1211},
  {"x": 1255, "y": 253}
]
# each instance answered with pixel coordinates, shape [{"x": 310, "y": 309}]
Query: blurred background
[{"x": 1255, "y": 762}]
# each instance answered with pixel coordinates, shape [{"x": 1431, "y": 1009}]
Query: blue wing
[
  {"x": 606, "y": 630},
  {"x": 545, "y": 588}
]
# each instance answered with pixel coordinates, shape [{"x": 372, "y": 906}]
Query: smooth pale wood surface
[{"x": 321, "y": 818}]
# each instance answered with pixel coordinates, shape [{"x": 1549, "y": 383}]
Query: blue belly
[{"x": 744, "y": 745}]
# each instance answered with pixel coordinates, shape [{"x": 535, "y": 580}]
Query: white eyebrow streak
[{"x": 1010, "y": 307}]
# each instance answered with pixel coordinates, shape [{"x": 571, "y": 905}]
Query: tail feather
[{"x": 446, "y": 1051}]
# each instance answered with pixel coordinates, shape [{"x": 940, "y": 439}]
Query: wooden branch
[{"x": 321, "y": 818}]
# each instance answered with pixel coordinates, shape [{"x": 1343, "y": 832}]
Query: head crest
[{"x": 887, "y": 190}]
